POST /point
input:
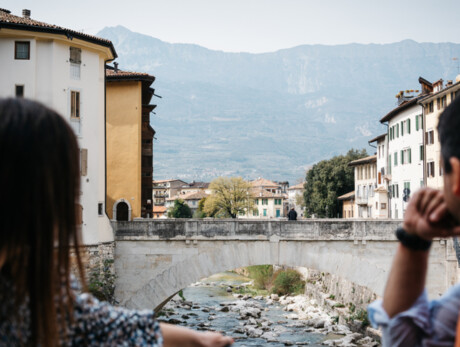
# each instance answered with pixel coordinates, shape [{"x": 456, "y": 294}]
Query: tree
[
  {"x": 180, "y": 210},
  {"x": 199, "y": 213},
  {"x": 328, "y": 180},
  {"x": 230, "y": 196}
]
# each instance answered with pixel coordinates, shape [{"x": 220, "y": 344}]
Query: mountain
[{"x": 271, "y": 114}]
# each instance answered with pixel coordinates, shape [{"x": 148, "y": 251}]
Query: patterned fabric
[
  {"x": 94, "y": 323},
  {"x": 426, "y": 323}
]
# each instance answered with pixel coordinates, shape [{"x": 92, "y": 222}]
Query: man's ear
[{"x": 455, "y": 164}]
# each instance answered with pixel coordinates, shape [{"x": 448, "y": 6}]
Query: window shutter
[
  {"x": 421, "y": 121},
  {"x": 416, "y": 123},
  {"x": 402, "y": 157},
  {"x": 410, "y": 155},
  {"x": 84, "y": 161},
  {"x": 402, "y": 128},
  {"x": 408, "y": 126}
]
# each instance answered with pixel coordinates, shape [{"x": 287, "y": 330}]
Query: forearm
[
  {"x": 178, "y": 336},
  {"x": 406, "y": 280}
]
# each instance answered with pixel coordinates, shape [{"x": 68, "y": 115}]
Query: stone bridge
[{"x": 156, "y": 258}]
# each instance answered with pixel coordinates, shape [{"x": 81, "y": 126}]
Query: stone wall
[{"x": 93, "y": 257}]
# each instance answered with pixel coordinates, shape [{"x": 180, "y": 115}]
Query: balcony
[{"x": 360, "y": 200}]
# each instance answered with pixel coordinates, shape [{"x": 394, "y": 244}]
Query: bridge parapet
[{"x": 218, "y": 229}]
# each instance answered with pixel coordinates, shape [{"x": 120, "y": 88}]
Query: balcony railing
[{"x": 360, "y": 200}]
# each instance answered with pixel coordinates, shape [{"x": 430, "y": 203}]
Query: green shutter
[
  {"x": 402, "y": 128},
  {"x": 396, "y": 158},
  {"x": 421, "y": 121},
  {"x": 397, "y": 130},
  {"x": 402, "y": 157},
  {"x": 389, "y": 164},
  {"x": 410, "y": 155},
  {"x": 416, "y": 123},
  {"x": 408, "y": 126},
  {"x": 421, "y": 152}
]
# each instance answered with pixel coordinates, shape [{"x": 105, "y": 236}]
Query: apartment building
[
  {"x": 65, "y": 70},
  {"x": 164, "y": 189},
  {"x": 405, "y": 152},
  {"x": 365, "y": 184},
  {"x": 382, "y": 179},
  {"x": 438, "y": 98}
]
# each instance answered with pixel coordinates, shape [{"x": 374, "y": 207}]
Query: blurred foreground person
[
  {"x": 406, "y": 316},
  {"x": 40, "y": 303}
]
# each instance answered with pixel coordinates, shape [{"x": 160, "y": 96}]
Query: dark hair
[
  {"x": 39, "y": 185},
  {"x": 449, "y": 133}
]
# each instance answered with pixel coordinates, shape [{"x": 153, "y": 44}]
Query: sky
[{"x": 257, "y": 26}]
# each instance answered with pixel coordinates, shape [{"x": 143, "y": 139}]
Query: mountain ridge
[{"x": 271, "y": 114}]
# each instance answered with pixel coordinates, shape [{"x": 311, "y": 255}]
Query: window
[
  {"x": 421, "y": 152},
  {"x": 407, "y": 186},
  {"x": 257, "y": 201},
  {"x": 21, "y": 50},
  {"x": 383, "y": 206},
  {"x": 389, "y": 164},
  {"x": 265, "y": 212},
  {"x": 278, "y": 213},
  {"x": 416, "y": 123},
  {"x": 75, "y": 55},
  {"x": 430, "y": 169},
  {"x": 443, "y": 101},
  {"x": 83, "y": 161},
  {"x": 264, "y": 201},
  {"x": 100, "y": 209},
  {"x": 429, "y": 137},
  {"x": 408, "y": 125},
  {"x": 255, "y": 213},
  {"x": 19, "y": 91},
  {"x": 75, "y": 104},
  {"x": 75, "y": 63},
  {"x": 397, "y": 130},
  {"x": 395, "y": 158},
  {"x": 406, "y": 156},
  {"x": 441, "y": 168},
  {"x": 402, "y": 128}
]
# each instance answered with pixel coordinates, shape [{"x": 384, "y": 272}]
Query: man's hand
[{"x": 427, "y": 216}]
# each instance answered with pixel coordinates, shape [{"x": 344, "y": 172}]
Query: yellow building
[{"x": 129, "y": 144}]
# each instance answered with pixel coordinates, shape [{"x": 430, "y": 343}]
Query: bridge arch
[{"x": 155, "y": 259}]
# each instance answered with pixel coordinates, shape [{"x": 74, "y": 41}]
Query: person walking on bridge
[{"x": 405, "y": 315}]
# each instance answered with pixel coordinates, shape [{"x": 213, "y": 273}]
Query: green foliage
[
  {"x": 339, "y": 305},
  {"x": 181, "y": 294},
  {"x": 199, "y": 213},
  {"x": 326, "y": 181},
  {"x": 332, "y": 297},
  {"x": 180, "y": 210},
  {"x": 360, "y": 315},
  {"x": 230, "y": 196},
  {"x": 288, "y": 282},
  {"x": 101, "y": 282},
  {"x": 262, "y": 275}
]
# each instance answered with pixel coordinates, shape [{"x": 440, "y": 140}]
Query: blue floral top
[{"x": 95, "y": 323}]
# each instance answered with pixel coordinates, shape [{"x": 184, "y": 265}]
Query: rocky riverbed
[{"x": 217, "y": 304}]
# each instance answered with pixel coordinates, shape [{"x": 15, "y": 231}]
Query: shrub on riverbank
[
  {"x": 288, "y": 282},
  {"x": 282, "y": 282}
]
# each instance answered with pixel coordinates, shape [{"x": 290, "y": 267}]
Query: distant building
[
  {"x": 191, "y": 199},
  {"x": 64, "y": 69},
  {"x": 129, "y": 144},
  {"x": 159, "y": 212},
  {"x": 381, "y": 192},
  {"x": 348, "y": 205},
  {"x": 365, "y": 184},
  {"x": 266, "y": 204},
  {"x": 164, "y": 189},
  {"x": 405, "y": 152},
  {"x": 295, "y": 193},
  {"x": 195, "y": 187},
  {"x": 437, "y": 98}
]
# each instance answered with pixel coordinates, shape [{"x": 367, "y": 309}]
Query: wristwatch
[{"x": 412, "y": 241}]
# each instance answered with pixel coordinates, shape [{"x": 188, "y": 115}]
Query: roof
[
  {"x": 405, "y": 105},
  {"x": 348, "y": 196},
  {"x": 203, "y": 185},
  {"x": 164, "y": 181},
  {"x": 377, "y": 138},
  {"x": 113, "y": 74},
  {"x": 190, "y": 196},
  {"x": 297, "y": 186},
  {"x": 262, "y": 193},
  {"x": 366, "y": 160},
  {"x": 159, "y": 209},
  {"x": 262, "y": 182},
  {"x": 434, "y": 95},
  {"x": 10, "y": 21}
]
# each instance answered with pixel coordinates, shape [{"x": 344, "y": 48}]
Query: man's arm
[
  {"x": 182, "y": 337},
  {"x": 426, "y": 216}
]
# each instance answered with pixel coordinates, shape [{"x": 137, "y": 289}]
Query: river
[{"x": 209, "y": 306}]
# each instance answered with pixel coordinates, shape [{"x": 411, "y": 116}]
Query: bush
[
  {"x": 288, "y": 282},
  {"x": 262, "y": 276},
  {"x": 180, "y": 210},
  {"x": 102, "y": 282}
]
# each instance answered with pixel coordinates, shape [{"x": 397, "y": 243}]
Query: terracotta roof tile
[
  {"x": 347, "y": 196},
  {"x": 262, "y": 193},
  {"x": 112, "y": 74},
  {"x": 366, "y": 160},
  {"x": 297, "y": 186},
  {"x": 159, "y": 209},
  {"x": 8, "y": 20},
  {"x": 262, "y": 182}
]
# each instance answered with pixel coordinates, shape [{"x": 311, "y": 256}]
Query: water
[{"x": 211, "y": 293}]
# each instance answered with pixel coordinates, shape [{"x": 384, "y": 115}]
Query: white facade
[
  {"x": 405, "y": 155},
  {"x": 49, "y": 77},
  {"x": 365, "y": 184},
  {"x": 381, "y": 208},
  {"x": 294, "y": 194}
]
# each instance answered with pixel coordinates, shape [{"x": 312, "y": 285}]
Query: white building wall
[
  {"x": 409, "y": 173},
  {"x": 46, "y": 78},
  {"x": 365, "y": 183}
]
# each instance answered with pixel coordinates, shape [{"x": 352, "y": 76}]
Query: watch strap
[{"x": 412, "y": 241}]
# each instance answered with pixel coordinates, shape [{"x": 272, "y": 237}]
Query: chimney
[
  {"x": 115, "y": 66},
  {"x": 26, "y": 13},
  {"x": 449, "y": 83}
]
